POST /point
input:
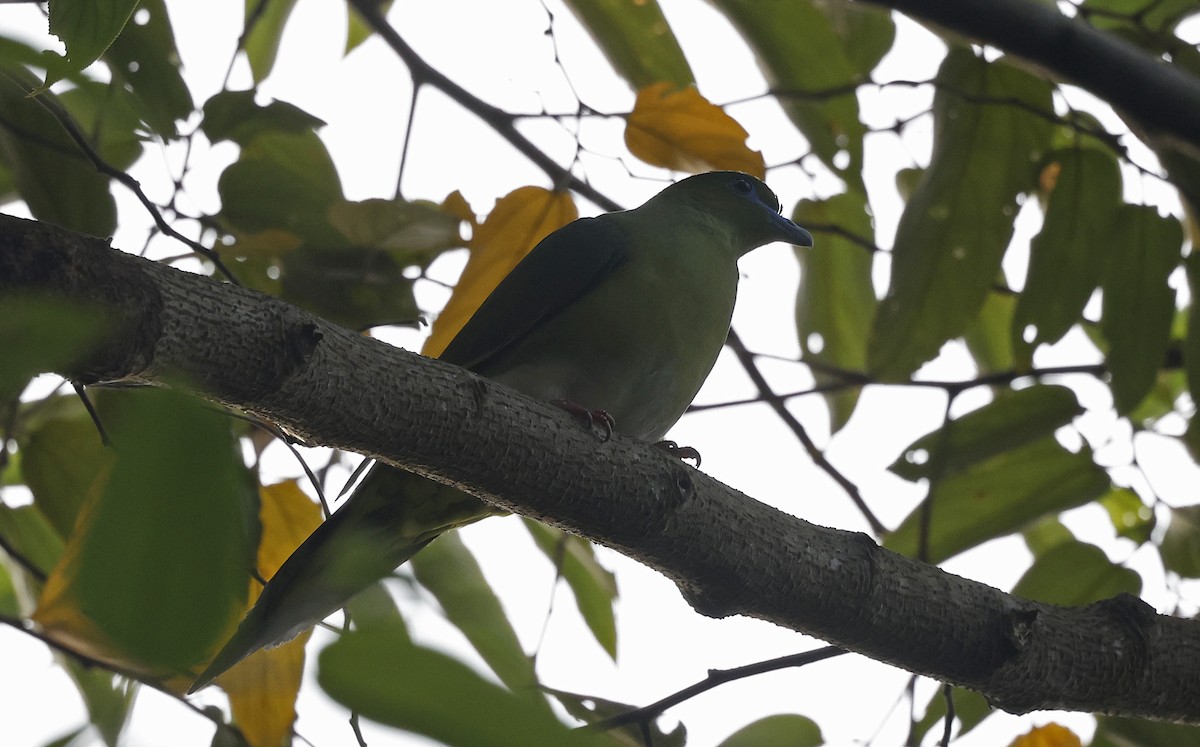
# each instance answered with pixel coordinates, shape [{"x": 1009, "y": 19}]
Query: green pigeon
[{"x": 625, "y": 312}]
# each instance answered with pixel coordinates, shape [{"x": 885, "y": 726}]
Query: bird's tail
[{"x": 391, "y": 516}]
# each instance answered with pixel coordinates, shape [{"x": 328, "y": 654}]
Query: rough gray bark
[{"x": 727, "y": 553}]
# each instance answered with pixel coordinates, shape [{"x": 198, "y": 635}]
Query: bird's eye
[{"x": 743, "y": 186}]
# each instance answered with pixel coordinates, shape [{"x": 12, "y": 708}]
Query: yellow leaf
[
  {"x": 1050, "y": 735},
  {"x": 519, "y": 221},
  {"x": 681, "y": 130},
  {"x": 262, "y": 688}
]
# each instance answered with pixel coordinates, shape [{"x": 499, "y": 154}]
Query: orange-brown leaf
[
  {"x": 683, "y": 131},
  {"x": 519, "y": 221},
  {"x": 1050, "y": 735}
]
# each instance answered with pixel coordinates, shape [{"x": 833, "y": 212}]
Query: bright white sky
[{"x": 500, "y": 51}]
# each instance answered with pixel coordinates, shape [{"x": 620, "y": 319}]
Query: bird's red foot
[
  {"x": 589, "y": 418},
  {"x": 679, "y": 452}
]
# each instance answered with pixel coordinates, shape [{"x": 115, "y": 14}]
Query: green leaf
[
  {"x": 1191, "y": 349},
  {"x": 636, "y": 39},
  {"x": 1014, "y": 418},
  {"x": 955, "y": 228},
  {"x": 108, "y": 698},
  {"x": 450, "y": 572},
  {"x": 785, "y": 730},
  {"x": 970, "y": 709},
  {"x": 382, "y": 676},
  {"x": 52, "y": 176},
  {"x": 1073, "y": 574},
  {"x": 62, "y": 458},
  {"x": 236, "y": 116},
  {"x": 26, "y": 530},
  {"x": 1138, "y": 304},
  {"x": 417, "y": 230},
  {"x": 10, "y": 606},
  {"x": 87, "y": 28},
  {"x": 1131, "y": 518},
  {"x": 999, "y": 496},
  {"x": 265, "y": 20},
  {"x": 835, "y": 302},
  {"x": 1046, "y": 534},
  {"x": 106, "y": 116},
  {"x": 39, "y": 334},
  {"x": 150, "y": 572},
  {"x": 356, "y": 287},
  {"x": 357, "y": 31},
  {"x": 989, "y": 338},
  {"x": 145, "y": 57},
  {"x": 590, "y": 709},
  {"x": 1114, "y": 731},
  {"x": 1069, "y": 255},
  {"x": 593, "y": 585},
  {"x": 808, "y": 50},
  {"x": 1181, "y": 544}
]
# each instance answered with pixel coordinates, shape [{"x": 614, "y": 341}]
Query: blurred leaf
[
  {"x": 234, "y": 115},
  {"x": 382, "y": 676},
  {"x": 786, "y": 730},
  {"x": 678, "y": 129},
  {"x": 108, "y": 697},
  {"x": 450, "y": 572},
  {"x": 411, "y": 228},
  {"x": 835, "y": 302},
  {"x": 1075, "y": 574},
  {"x": 40, "y": 334},
  {"x": 1014, "y": 418},
  {"x": 52, "y": 176},
  {"x": 10, "y": 606},
  {"x": 265, "y": 20},
  {"x": 955, "y": 228},
  {"x": 1069, "y": 255},
  {"x": 1048, "y": 735},
  {"x": 989, "y": 337},
  {"x": 27, "y": 531},
  {"x": 1046, "y": 534},
  {"x": 999, "y": 496},
  {"x": 1131, "y": 518},
  {"x": 590, "y": 709},
  {"x": 86, "y": 28},
  {"x": 1191, "y": 349},
  {"x": 63, "y": 458},
  {"x": 1138, "y": 303},
  {"x": 1114, "y": 731},
  {"x": 520, "y": 220},
  {"x": 357, "y": 287},
  {"x": 637, "y": 40},
  {"x": 357, "y": 31},
  {"x": 262, "y": 688},
  {"x": 970, "y": 708},
  {"x": 145, "y": 581},
  {"x": 107, "y": 119},
  {"x": 1181, "y": 544},
  {"x": 145, "y": 57},
  {"x": 593, "y": 585},
  {"x": 812, "y": 49}
]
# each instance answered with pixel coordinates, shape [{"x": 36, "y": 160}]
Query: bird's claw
[
  {"x": 679, "y": 452},
  {"x": 589, "y": 418}
]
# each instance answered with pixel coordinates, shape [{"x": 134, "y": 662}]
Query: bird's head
[{"x": 740, "y": 204}]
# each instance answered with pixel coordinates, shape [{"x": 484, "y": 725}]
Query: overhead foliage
[{"x": 141, "y": 543}]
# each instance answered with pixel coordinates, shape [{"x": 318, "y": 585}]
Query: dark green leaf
[
  {"x": 382, "y": 676},
  {"x": 1138, "y": 303},
  {"x": 353, "y": 286},
  {"x": 970, "y": 708},
  {"x": 234, "y": 115},
  {"x": 636, "y": 39},
  {"x": 835, "y": 302},
  {"x": 999, "y": 496},
  {"x": 87, "y": 28},
  {"x": 450, "y": 572},
  {"x": 1113, "y": 731},
  {"x": 145, "y": 57},
  {"x": 162, "y": 566},
  {"x": 955, "y": 228},
  {"x": 1012, "y": 419},
  {"x": 41, "y": 334},
  {"x": 106, "y": 117},
  {"x": 590, "y": 709},
  {"x": 1181, "y": 544},
  {"x": 803, "y": 50},
  {"x": 1131, "y": 518},
  {"x": 52, "y": 176},
  {"x": 1070, "y": 253},
  {"x": 785, "y": 730},
  {"x": 265, "y": 20},
  {"x": 594, "y": 586},
  {"x": 108, "y": 698},
  {"x": 1075, "y": 573}
]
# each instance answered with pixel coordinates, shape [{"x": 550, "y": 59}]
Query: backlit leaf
[
  {"x": 87, "y": 28},
  {"x": 787, "y": 730},
  {"x": 145, "y": 57},
  {"x": 678, "y": 129},
  {"x": 593, "y": 585},
  {"x": 265, "y": 20},
  {"x": 637, "y": 40},
  {"x": 1075, "y": 573}
]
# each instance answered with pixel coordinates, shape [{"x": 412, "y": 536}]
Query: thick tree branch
[
  {"x": 727, "y": 553},
  {"x": 1158, "y": 99}
]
